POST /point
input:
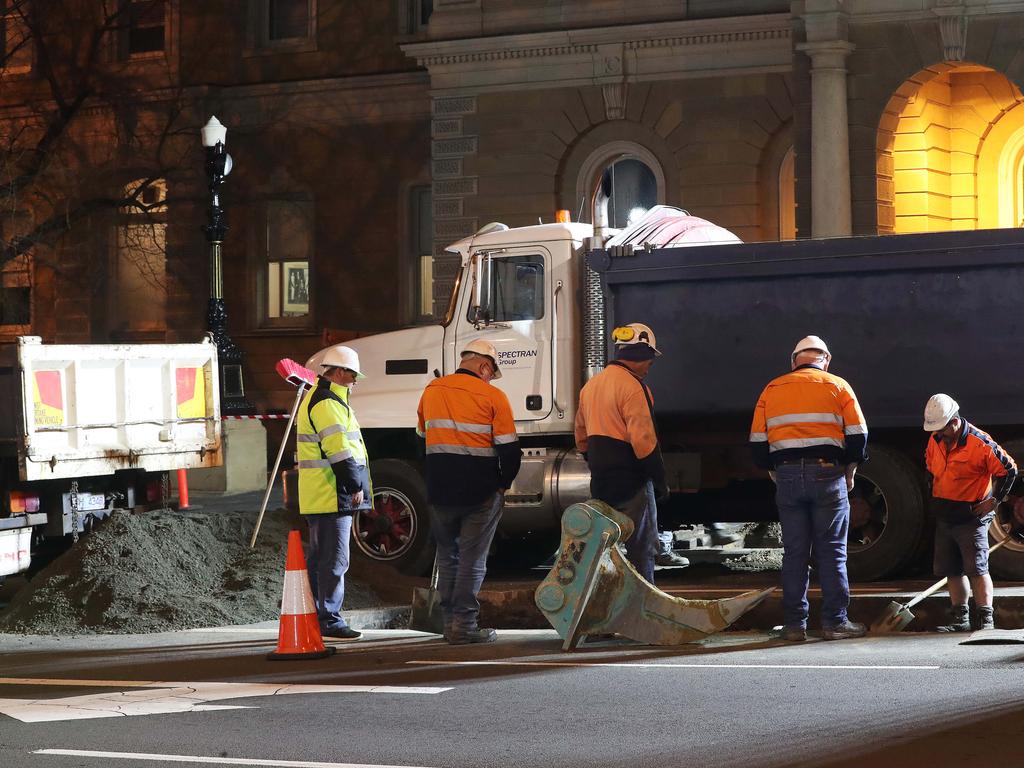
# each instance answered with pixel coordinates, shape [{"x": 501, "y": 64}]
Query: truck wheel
[
  {"x": 887, "y": 516},
  {"x": 396, "y": 531},
  {"x": 1008, "y": 562}
]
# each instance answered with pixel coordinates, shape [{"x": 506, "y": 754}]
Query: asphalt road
[{"x": 736, "y": 700}]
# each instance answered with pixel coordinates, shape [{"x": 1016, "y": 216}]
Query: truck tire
[
  {"x": 887, "y": 516},
  {"x": 397, "y": 531},
  {"x": 1008, "y": 562}
]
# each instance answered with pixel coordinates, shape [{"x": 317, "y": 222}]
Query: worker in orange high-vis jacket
[
  {"x": 615, "y": 430},
  {"x": 809, "y": 433},
  {"x": 472, "y": 457},
  {"x": 963, "y": 461}
]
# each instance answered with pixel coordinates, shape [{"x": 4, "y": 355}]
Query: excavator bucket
[{"x": 592, "y": 589}]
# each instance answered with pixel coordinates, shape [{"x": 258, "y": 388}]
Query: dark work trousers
[
  {"x": 463, "y": 536},
  {"x": 814, "y": 510},
  {"x": 327, "y": 563}
]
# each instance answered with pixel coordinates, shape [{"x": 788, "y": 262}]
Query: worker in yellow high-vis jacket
[{"x": 334, "y": 483}]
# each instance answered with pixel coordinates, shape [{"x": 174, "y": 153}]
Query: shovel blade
[
  {"x": 894, "y": 619},
  {"x": 425, "y": 612}
]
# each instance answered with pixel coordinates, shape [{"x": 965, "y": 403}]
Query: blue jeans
[
  {"x": 326, "y": 564},
  {"x": 642, "y": 546},
  {"x": 814, "y": 510},
  {"x": 463, "y": 536}
]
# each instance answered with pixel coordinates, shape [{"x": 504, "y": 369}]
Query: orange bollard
[
  {"x": 182, "y": 489},
  {"x": 298, "y": 635}
]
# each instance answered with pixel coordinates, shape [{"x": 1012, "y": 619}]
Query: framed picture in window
[{"x": 296, "y": 288}]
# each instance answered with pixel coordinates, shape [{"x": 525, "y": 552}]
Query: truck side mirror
[{"x": 479, "y": 310}]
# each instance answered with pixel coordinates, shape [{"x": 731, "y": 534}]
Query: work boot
[
  {"x": 959, "y": 620},
  {"x": 789, "y": 634},
  {"x": 720, "y": 535},
  {"x": 983, "y": 618},
  {"x": 342, "y": 633},
  {"x": 844, "y": 631},
  {"x": 466, "y": 636},
  {"x": 671, "y": 560}
]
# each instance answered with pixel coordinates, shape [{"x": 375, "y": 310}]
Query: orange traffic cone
[{"x": 299, "y": 631}]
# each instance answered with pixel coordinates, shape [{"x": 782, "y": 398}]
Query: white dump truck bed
[{"x": 91, "y": 409}]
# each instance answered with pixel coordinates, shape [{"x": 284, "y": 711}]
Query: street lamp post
[{"x": 218, "y": 165}]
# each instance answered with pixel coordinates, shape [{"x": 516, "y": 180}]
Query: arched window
[
  {"x": 634, "y": 192},
  {"x": 638, "y": 182},
  {"x": 139, "y": 296}
]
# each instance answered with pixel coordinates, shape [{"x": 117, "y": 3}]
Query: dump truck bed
[{"x": 905, "y": 316}]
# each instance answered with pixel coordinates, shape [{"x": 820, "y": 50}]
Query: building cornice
[
  {"x": 632, "y": 53},
  {"x": 881, "y": 11}
]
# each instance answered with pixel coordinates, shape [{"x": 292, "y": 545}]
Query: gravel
[{"x": 164, "y": 570}]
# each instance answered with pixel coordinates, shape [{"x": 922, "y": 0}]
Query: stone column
[{"x": 830, "y": 139}]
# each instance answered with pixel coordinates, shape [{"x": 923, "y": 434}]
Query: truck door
[{"x": 514, "y": 315}]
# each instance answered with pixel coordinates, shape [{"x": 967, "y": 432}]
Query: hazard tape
[{"x": 259, "y": 416}]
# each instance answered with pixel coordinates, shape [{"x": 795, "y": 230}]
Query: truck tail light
[
  {"x": 23, "y": 501},
  {"x": 154, "y": 491}
]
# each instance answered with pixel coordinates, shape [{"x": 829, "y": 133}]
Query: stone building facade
[{"x": 368, "y": 138}]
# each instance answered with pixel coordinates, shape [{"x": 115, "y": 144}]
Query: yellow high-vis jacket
[
  {"x": 808, "y": 413},
  {"x": 332, "y": 457}
]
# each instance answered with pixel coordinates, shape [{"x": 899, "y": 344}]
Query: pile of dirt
[{"x": 164, "y": 570}]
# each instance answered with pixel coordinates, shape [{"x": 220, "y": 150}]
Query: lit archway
[
  {"x": 950, "y": 152},
  {"x": 787, "y": 196}
]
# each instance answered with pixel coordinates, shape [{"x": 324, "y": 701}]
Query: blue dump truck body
[{"x": 905, "y": 316}]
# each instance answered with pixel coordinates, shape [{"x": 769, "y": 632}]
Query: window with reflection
[{"x": 513, "y": 289}]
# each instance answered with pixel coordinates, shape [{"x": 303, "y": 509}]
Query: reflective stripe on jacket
[
  {"x": 471, "y": 442},
  {"x": 808, "y": 413},
  {"x": 332, "y": 457},
  {"x": 615, "y": 430},
  {"x": 965, "y": 472}
]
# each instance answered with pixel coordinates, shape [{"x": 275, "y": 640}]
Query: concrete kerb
[{"x": 514, "y": 608}]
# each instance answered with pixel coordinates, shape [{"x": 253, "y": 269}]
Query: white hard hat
[
  {"x": 939, "y": 411},
  {"x": 340, "y": 356},
  {"x": 809, "y": 343},
  {"x": 635, "y": 333},
  {"x": 485, "y": 348}
]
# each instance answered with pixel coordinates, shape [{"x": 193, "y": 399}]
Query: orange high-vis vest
[
  {"x": 615, "y": 429},
  {"x": 808, "y": 412},
  {"x": 471, "y": 442},
  {"x": 965, "y": 471}
]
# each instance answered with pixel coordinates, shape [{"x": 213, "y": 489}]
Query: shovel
[
  {"x": 425, "y": 613},
  {"x": 897, "y": 615}
]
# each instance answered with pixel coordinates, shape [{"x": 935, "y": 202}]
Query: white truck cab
[{"x": 529, "y": 293}]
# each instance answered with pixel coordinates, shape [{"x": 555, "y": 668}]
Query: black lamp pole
[{"x": 218, "y": 165}]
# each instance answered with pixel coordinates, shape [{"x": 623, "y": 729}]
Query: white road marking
[
  {"x": 644, "y": 665},
  {"x": 208, "y": 760},
  {"x": 157, "y": 698}
]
